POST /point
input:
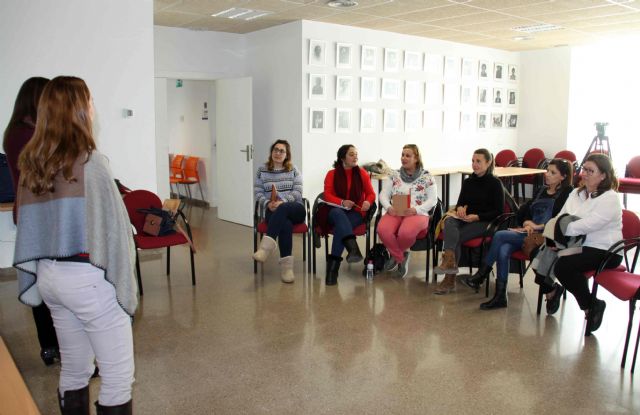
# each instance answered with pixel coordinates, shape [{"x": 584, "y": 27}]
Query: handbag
[
  {"x": 157, "y": 222},
  {"x": 531, "y": 244}
]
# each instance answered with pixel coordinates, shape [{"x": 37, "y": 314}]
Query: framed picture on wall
[
  {"x": 317, "y": 120},
  {"x": 513, "y": 73},
  {"x": 484, "y": 68},
  {"x": 412, "y": 60},
  {"x": 466, "y": 120},
  {"x": 433, "y": 93},
  {"x": 343, "y": 55},
  {"x": 368, "y": 120},
  {"x": 512, "y": 120},
  {"x": 433, "y": 120},
  {"x": 451, "y": 95},
  {"x": 412, "y": 120},
  {"x": 368, "y": 89},
  {"x": 512, "y": 99},
  {"x": 391, "y": 123},
  {"x": 468, "y": 69},
  {"x": 390, "y": 89},
  {"x": 317, "y": 54},
  {"x": 451, "y": 68},
  {"x": 413, "y": 92},
  {"x": 369, "y": 58},
  {"x": 344, "y": 88},
  {"x": 451, "y": 121},
  {"x": 483, "y": 121},
  {"x": 317, "y": 86},
  {"x": 498, "y": 71},
  {"x": 498, "y": 96},
  {"x": 497, "y": 119},
  {"x": 482, "y": 95},
  {"x": 433, "y": 65},
  {"x": 467, "y": 96},
  {"x": 343, "y": 120},
  {"x": 391, "y": 60}
]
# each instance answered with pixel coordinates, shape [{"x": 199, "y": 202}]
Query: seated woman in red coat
[{"x": 347, "y": 186}]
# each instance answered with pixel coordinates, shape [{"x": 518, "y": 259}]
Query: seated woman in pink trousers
[{"x": 398, "y": 229}]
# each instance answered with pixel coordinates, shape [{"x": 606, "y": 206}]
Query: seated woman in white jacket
[
  {"x": 597, "y": 204},
  {"x": 398, "y": 230}
]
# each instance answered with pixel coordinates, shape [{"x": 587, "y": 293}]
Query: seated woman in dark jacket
[{"x": 532, "y": 215}]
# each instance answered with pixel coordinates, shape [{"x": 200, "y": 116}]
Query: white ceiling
[{"x": 477, "y": 22}]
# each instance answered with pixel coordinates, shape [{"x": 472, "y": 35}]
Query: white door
[{"x": 234, "y": 147}]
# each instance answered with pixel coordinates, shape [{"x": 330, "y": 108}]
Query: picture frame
[
  {"x": 317, "y": 86},
  {"x": 466, "y": 120},
  {"x": 498, "y": 97},
  {"x": 369, "y": 58},
  {"x": 512, "y": 73},
  {"x": 343, "y": 55},
  {"x": 468, "y": 71},
  {"x": 433, "y": 120},
  {"x": 483, "y": 121},
  {"x": 512, "y": 97},
  {"x": 390, "y": 89},
  {"x": 433, "y": 65},
  {"x": 317, "y": 55},
  {"x": 498, "y": 71},
  {"x": 343, "y": 120},
  {"x": 433, "y": 93},
  {"x": 391, "y": 120},
  {"x": 483, "y": 95},
  {"x": 451, "y": 95},
  {"x": 391, "y": 60},
  {"x": 412, "y": 120},
  {"x": 412, "y": 60},
  {"x": 451, "y": 68},
  {"x": 344, "y": 88},
  {"x": 368, "y": 118},
  {"x": 451, "y": 121},
  {"x": 317, "y": 120},
  {"x": 413, "y": 92},
  {"x": 368, "y": 89},
  {"x": 484, "y": 68},
  {"x": 512, "y": 120},
  {"x": 497, "y": 120},
  {"x": 467, "y": 96}
]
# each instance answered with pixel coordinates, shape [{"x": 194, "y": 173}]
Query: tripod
[{"x": 597, "y": 146}]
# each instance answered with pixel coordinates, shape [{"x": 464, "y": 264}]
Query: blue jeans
[
  {"x": 343, "y": 222},
  {"x": 503, "y": 244},
  {"x": 280, "y": 225}
]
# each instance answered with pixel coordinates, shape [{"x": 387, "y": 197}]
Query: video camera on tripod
[{"x": 597, "y": 144}]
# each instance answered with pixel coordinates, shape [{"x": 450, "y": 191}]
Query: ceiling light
[
  {"x": 224, "y": 12},
  {"x": 255, "y": 14},
  {"x": 619, "y": 1},
  {"x": 519, "y": 38},
  {"x": 542, "y": 27},
  {"x": 246, "y": 14},
  {"x": 342, "y": 4},
  {"x": 460, "y": 1}
]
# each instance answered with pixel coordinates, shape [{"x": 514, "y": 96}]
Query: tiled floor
[{"x": 244, "y": 344}]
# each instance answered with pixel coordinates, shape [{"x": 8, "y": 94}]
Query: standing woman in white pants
[{"x": 75, "y": 251}]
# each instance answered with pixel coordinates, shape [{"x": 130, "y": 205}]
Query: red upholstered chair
[
  {"x": 622, "y": 283},
  {"x": 143, "y": 199},
  {"x": 363, "y": 229},
  {"x": 507, "y": 158},
  {"x": 630, "y": 183},
  {"x": 534, "y": 159},
  {"x": 566, "y": 154},
  {"x": 260, "y": 228}
]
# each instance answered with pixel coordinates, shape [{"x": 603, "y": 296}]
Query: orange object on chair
[
  {"x": 175, "y": 172},
  {"x": 191, "y": 176}
]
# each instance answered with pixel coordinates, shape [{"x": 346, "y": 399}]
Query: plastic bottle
[{"x": 370, "y": 271}]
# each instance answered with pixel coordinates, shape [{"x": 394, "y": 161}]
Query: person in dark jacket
[
  {"x": 16, "y": 136},
  {"x": 481, "y": 200}
]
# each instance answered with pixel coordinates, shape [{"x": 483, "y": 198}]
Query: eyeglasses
[
  {"x": 589, "y": 172},
  {"x": 280, "y": 151}
]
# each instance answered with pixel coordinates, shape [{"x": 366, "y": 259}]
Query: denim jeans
[
  {"x": 280, "y": 225},
  {"x": 503, "y": 244},
  {"x": 343, "y": 222}
]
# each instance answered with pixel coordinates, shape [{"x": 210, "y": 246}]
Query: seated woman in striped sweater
[{"x": 284, "y": 212}]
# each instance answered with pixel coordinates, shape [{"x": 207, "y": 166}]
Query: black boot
[
  {"x": 333, "y": 266},
  {"x": 353, "y": 250},
  {"x": 477, "y": 279},
  {"x": 75, "y": 402},
  {"x": 123, "y": 409},
  {"x": 499, "y": 299}
]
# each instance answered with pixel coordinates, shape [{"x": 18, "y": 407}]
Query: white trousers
[{"x": 89, "y": 324}]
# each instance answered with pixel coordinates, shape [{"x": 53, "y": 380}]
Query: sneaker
[
  {"x": 594, "y": 319},
  {"x": 553, "y": 303},
  {"x": 390, "y": 264},
  {"x": 403, "y": 267}
]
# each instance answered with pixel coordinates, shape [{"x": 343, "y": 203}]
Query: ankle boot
[
  {"x": 448, "y": 264},
  {"x": 353, "y": 251},
  {"x": 333, "y": 266},
  {"x": 75, "y": 402},
  {"x": 122, "y": 409},
  {"x": 477, "y": 279},
  {"x": 267, "y": 245},
  {"x": 286, "y": 269},
  {"x": 447, "y": 285},
  {"x": 499, "y": 299}
]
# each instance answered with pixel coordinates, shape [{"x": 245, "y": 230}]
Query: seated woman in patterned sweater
[
  {"x": 285, "y": 211},
  {"x": 398, "y": 230}
]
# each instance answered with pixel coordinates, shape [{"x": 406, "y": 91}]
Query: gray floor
[{"x": 244, "y": 344}]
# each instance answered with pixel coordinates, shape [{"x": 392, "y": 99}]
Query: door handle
[{"x": 249, "y": 150}]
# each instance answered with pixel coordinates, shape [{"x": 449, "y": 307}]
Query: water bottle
[{"x": 370, "y": 271}]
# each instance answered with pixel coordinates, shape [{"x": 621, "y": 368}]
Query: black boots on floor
[
  {"x": 477, "y": 279},
  {"x": 499, "y": 299},
  {"x": 123, "y": 409},
  {"x": 353, "y": 251},
  {"x": 75, "y": 402},
  {"x": 333, "y": 266}
]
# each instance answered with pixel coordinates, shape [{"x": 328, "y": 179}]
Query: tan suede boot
[
  {"x": 286, "y": 269},
  {"x": 267, "y": 245},
  {"x": 448, "y": 263},
  {"x": 447, "y": 285}
]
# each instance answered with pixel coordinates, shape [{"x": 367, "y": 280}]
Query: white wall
[
  {"x": 162, "y": 137},
  {"x": 110, "y": 46},
  {"x": 544, "y": 100}
]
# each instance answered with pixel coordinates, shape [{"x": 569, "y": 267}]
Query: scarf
[
  {"x": 340, "y": 183},
  {"x": 410, "y": 178}
]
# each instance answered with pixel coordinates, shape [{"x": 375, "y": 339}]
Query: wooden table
[
  {"x": 14, "y": 395},
  {"x": 508, "y": 172},
  {"x": 445, "y": 175}
]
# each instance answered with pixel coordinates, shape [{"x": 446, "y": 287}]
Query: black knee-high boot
[
  {"x": 333, "y": 266},
  {"x": 75, "y": 402},
  {"x": 499, "y": 299},
  {"x": 123, "y": 409},
  {"x": 353, "y": 251}
]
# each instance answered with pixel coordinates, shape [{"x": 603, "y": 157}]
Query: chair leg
[
  {"x": 255, "y": 248},
  {"x": 168, "y": 260},
  {"x": 521, "y": 271},
  {"x": 426, "y": 264},
  {"x": 539, "y": 300},
  {"x": 635, "y": 352},
  {"x": 201, "y": 194},
  {"x": 309, "y": 242},
  {"x": 624, "y": 200},
  {"x": 632, "y": 308},
  {"x": 304, "y": 248},
  {"x": 193, "y": 268},
  {"x": 139, "y": 276}
]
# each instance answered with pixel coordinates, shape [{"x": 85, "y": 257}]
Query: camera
[{"x": 600, "y": 126}]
